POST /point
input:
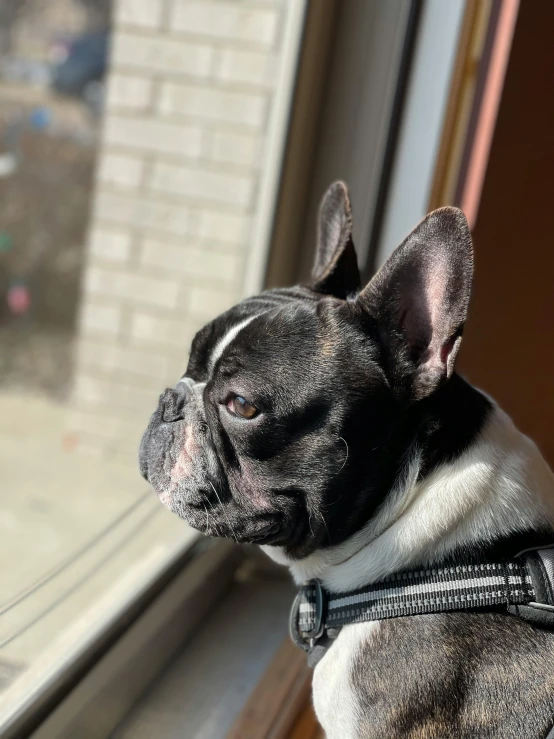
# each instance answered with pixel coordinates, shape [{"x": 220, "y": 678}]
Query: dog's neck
[{"x": 498, "y": 487}]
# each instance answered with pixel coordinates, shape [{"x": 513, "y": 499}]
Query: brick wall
[{"x": 189, "y": 101}]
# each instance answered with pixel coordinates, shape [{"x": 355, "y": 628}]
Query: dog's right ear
[{"x": 335, "y": 271}]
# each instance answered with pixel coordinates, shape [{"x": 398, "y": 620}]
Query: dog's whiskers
[
  {"x": 207, "y": 518},
  {"x": 218, "y": 533},
  {"x": 346, "y": 458},
  {"x": 325, "y": 524},
  {"x": 224, "y": 512}
]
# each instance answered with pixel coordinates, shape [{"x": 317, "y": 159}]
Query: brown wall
[{"x": 509, "y": 341}]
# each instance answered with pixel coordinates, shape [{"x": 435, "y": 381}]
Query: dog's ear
[
  {"x": 420, "y": 299},
  {"x": 335, "y": 271}
]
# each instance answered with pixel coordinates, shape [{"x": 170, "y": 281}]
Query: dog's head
[{"x": 292, "y": 421}]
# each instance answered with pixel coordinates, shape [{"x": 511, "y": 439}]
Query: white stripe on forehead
[{"x": 224, "y": 342}]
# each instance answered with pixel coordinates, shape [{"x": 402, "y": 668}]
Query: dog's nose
[{"x": 172, "y": 403}]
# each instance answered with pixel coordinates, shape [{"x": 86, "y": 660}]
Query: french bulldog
[{"x": 326, "y": 423}]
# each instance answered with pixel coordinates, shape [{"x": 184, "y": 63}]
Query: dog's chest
[{"x": 336, "y": 701}]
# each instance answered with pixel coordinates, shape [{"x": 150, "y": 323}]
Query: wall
[
  {"x": 507, "y": 348},
  {"x": 191, "y": 92}
]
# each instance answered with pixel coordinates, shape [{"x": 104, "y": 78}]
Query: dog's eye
[{"x": 241, "y": 407}]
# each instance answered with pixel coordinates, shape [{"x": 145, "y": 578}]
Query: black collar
[{"x": 523, "y": 586}]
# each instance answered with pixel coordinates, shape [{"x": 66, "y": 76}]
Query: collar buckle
[{"x": 311, "y": 593}]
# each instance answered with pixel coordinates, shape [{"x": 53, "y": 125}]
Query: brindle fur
[{"x": 462, "y": 675}]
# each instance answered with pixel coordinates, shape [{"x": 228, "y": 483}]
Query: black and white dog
[{"x": 327, "y": 424}]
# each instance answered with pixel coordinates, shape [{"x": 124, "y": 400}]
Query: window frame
[{"x": 139, "y": 641}]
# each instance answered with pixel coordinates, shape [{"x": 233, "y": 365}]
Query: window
[{"x": 133, "y": 207}]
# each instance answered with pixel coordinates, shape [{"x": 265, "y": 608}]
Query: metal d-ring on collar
[{"x": 308, "y": 639}]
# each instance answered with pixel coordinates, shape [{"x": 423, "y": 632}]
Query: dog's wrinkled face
[{"x": 291, "y": 422}]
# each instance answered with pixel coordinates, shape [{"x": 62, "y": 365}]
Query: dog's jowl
[{"x": 327, "y": 423}]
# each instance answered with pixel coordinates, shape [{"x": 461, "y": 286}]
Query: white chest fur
[
  {"x": 335, "y": 699},
  {"x": 499, "y": 486}
]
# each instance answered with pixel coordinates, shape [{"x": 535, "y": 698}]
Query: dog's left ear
[
  {"x": 420, "y": 299},
  {"x": 335, "y": 271}
]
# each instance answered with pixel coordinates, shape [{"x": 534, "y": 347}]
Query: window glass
[{"x": 132, "y": 164}]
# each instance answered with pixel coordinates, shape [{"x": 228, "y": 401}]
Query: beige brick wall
[{"x": 190, "y": 97}]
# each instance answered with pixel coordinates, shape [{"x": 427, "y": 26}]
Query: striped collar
[{"x": 517, "y": 585}]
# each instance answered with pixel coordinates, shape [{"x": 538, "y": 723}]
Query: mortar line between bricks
[
  {"x": 194, "y": 38},
  {"x": 201, "y": 86},
  {"x": 162, "y": 234},
  {"x": 208, "y": 163},
  {"x": 165, "y": 15},
  {"x": 162, "y": 197},
  {"x": 212, "y": 70},
  {"x": 168, "y": 275},
  {"x": 220, "y": 125},
  {"x": 196, "y": 243},
  {"x": 208, "y": 166},
  {"x": 157, "y": 83},
  {"x": 208, "y": 81},
  {"x": 149, "y": 160},
  {"x": 188, "y": 120}
]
